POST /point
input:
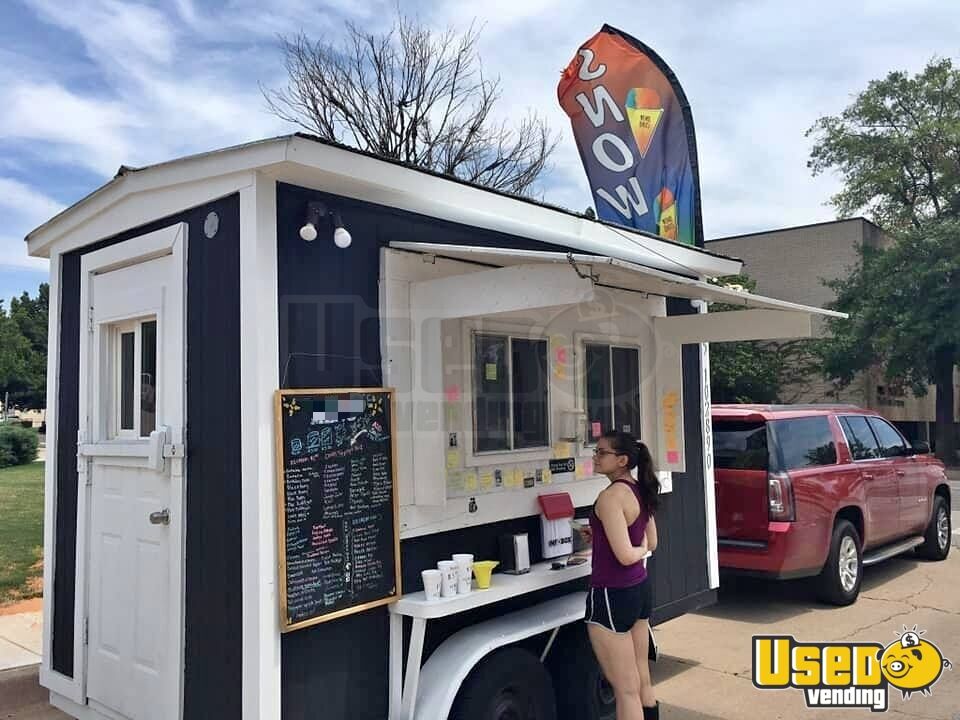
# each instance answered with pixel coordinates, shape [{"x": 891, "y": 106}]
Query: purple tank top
[{"x": 607, "y": 570}]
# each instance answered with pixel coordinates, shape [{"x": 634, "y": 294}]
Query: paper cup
[
  {"x": 431, "y": 584},
  {"x": 448, "y": 578},
  {"x": 464, "y": 572}
]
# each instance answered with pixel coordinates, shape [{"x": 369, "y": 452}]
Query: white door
[{"x": 130, "y": 458}]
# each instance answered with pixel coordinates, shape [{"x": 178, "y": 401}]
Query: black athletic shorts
[{"x": 617, "y": 609}]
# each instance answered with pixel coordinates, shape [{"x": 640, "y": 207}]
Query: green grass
[{"x": 21, "y": 532}]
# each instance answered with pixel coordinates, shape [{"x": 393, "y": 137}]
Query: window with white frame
[
  {"x": 611, "y": 389},
  {"x": 134, "y": 379},
  {"x": 510, "y": 393}
]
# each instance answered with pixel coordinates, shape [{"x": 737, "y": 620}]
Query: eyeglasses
[{"x": 598, "y": 451}]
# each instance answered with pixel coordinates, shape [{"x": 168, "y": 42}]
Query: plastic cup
[
  {"x": 448, "y": 578},
  {"x": 464, "y": 563},
  {"x": 431, "y": 584},
  {"x": 483, "y": 569}
]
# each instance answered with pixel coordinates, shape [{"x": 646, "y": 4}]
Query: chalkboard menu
[{"x": 339, "y": 541}]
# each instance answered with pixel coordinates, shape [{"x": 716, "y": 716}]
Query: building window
[
  {"x": 612, "y": 385},
  {"x": 510, "y": 393}
]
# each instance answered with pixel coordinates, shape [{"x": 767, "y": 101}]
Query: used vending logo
[{"x": 849, "y": 675}]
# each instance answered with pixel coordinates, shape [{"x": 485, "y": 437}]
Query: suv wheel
[
  {"x": 936, "y": 540},
  {"x": 839, "y": 581}
]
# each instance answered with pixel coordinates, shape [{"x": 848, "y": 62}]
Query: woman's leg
[
  {"x": 615, "y": 653},
  {"x": 640, "y": 633}
]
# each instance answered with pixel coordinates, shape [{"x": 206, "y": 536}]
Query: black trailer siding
[
  {"x": 65, "y": 519},
  {"x": 330, "y": 337},
  {"x": 213, "y": 653},
  {"x": 681, "y": 522}
]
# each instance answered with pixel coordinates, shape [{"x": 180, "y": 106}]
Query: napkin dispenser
[{"x": 515, "y": 553}]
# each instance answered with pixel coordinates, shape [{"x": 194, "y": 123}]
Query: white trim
[
  {"x": 259, "y": 349},
  {"x": 737, "y": 325},
  {"x": 312, "y": 164},
  {"x": 613, "y": 271},
  {"x": 56, "y": 682},
  {"x": 709, "y": 489},
  {"x": 417, "y": 520},
  {"x": 132, "y": 203},
  {"x": 606, "y": 596}
]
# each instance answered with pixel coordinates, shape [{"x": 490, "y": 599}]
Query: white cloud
[
  {"x": 163, "y": 80},
  {"x": 120, "y": 35},
  {"x": 22, "y": 208},
  {"x": 80, "y": 130},
  {"x": 19, "y": 199}
]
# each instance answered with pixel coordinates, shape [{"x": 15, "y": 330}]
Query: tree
[
  {"x": 897, "y": 149},
  {"x": 23, "y": 348},
  {"x": 15, "y": 354},
  {"x": 904, "y": 305},
  {"x": 413, "y": 95},
  {"x": 759, "y": 371}
]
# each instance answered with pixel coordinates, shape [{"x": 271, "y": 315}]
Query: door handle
[
  {"x": 900, "y": 473},
  {"x": 160, "y": 517},
  {"x": 867, "y": 476}
]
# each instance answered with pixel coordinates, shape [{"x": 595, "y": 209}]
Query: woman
[{"x": 619, "y": 601}]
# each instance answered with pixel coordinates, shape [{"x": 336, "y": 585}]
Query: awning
[{"x": 613, "y": 273}]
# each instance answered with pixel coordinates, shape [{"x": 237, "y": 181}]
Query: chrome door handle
[
  {"x": 160, "y": 517},
  {"x": 867, "y": 477},
  {"x": 900, "y": 473}
]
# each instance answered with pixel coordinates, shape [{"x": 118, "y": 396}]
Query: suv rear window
[
  {"x": 740, "y": 445},
  {"x": 804, "y": 442}
]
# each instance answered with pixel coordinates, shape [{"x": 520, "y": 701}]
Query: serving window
[
  {"x": 510, "y": 393},
  {"x": 611, "y": 389}
]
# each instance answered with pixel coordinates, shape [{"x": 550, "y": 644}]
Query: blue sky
[{"x": 88, "y": 85}]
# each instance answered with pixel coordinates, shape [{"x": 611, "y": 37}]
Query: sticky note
[
  {"x": 562, "y": 450},
  {"x": 547, "y": 477},
  {"x": 454, "y": 482},
  {"x": 452, "y": 393},
  {"x": 486, "y": 480},
  {"x": 470, "y": 481},
  {"x": 673, "y": 456},
  {"x": 490, "y": 371},
  {"x": 452, "y": 413},
  {"x": 453, "y": 458},
  {"x": 516, "y": 477},
  {"x": 584, "y": 469},
  {"x": 595, "y": 430}
]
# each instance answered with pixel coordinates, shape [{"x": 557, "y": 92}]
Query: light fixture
[
  {"x": 341, "y": 236},
  {"x": 316, "y": 213}
]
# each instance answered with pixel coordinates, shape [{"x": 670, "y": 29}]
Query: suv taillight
[{"x": 780, "y": 494}]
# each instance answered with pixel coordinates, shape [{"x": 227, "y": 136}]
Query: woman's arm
[
  {"x": 610, "y": 512},
  {"x": 650, "y": 537}
]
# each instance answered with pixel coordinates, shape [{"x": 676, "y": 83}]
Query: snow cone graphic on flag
[
  {"x": 644, "y": 110},
  {"x": 665, "y": 210}
]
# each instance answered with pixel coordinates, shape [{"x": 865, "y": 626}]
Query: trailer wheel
[
  {"x": 582, "y": 691},
  {"x": 510, "y": 684}
]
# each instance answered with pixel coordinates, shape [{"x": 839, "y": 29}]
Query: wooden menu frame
[{"x": 279, "y": 395}]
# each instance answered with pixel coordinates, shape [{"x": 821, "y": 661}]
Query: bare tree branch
[{"x": 413, "y": 95}]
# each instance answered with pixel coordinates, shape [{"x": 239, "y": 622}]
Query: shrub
[{"x": 18, "y": 445}]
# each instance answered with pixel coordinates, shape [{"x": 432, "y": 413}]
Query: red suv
[{"x": 817, "y": 490}]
